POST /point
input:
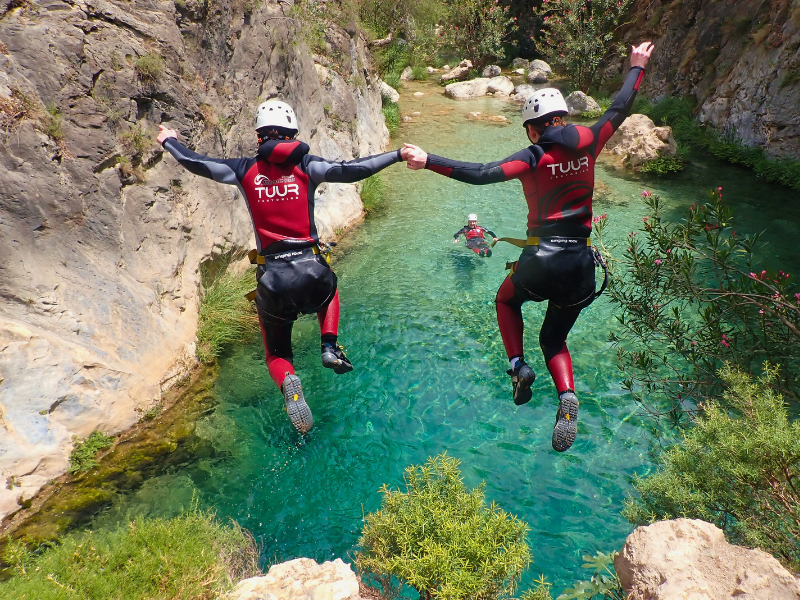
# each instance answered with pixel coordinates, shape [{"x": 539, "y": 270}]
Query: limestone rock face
[
  {"x": 101, "y": 232},
  {"x": 459, "y": 72},
  {"x": 689, "y": 558},
  {"x": 638, "y": 140},
  {"x": 301, "y": 579},
  {"x": 501, "y": 85},
  {"x": 536, "y": 76},
  {"x": 540, "y": 65},
  {"x": 578, "y": 102},
  {"x": 388, "y": 91},
  {"x": 473, "y": 88},
  {"x": 491, "y": 71}
]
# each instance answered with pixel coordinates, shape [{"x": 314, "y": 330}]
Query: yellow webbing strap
[
  {"x": 512, "y": 266},
  {"x": 251, "y": 295}
]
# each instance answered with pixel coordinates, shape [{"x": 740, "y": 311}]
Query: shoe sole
[
  {"x": 329, "y": 361},
  {"x": 296, "y": 407},
  {"x": 566, "y": 427}
]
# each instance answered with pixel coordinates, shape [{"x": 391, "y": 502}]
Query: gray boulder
[
  {"x": 301, "y": 579},
  {"x": 524, "y": 91},
  {"x": 406, "y": 74},
  {"x": 474, "y": 88},
  {"x": 638, "y": 141},
  {"x": 491, "y": 71},
  {"x": 540, "y": 65},
  {"x": 388, "y": 91},
  {"x": 578, "y": 102},
  {"x": 519, "y": 63},
  {"x": 501, "y": 85},
  {"x": 689, "y": 558},
  {"x": 458, "y": 73},
  {"x": 536, "y": 76}
]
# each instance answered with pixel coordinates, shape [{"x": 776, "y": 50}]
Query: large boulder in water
[
  {"x": 638, "y": 141},
  {"x": 689, "y": 558},
  {"x": 473, "y": 88},
  {"x": 501, "y": 85},
  {"x": 491, "y": 71},
  {"x": 300, "y": 579},
  {"x": 519, "y": 63},
  {"x": 540, "y": 65},
  {"x": 458, "y": 73},
  {"x": 578, "y": 102},
  {"x": 536, "y": 76},
  {"x": 524, "y": 91}
]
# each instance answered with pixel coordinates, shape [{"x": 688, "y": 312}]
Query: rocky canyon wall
[
  {"x": 101, "y": 233},
  {"x": 739, "y": 58}
]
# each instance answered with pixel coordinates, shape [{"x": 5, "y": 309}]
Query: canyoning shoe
[
  {"x": 488, "y": 252},
  {"x": 333, "y": 358},
  {"x": 296, "y": 407},
  {"x": 566, "y": 421},
  {"x": 521, "y": 380}
]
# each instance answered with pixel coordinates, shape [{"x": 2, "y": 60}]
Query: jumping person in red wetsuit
[
  {"x": 293, "y": 277},
  {"x": 474, "y": 235},
  {"x": 557, "y": 265}
]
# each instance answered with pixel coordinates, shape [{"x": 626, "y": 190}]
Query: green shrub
[
  {"x": 440, "y": 538},
  {"x": 391, "y": 112},
  {"x": 604, "y": 582},
  {"x": 84, "y": 456},
  {"x": 419, "y": 73},
  {"x": 540, "y": 591},
  {"x": 190, "y": 557},
  {"x": 737, "y": 468},
  {"x": 136, "y": 142},
  {"x": 664, "y": 165},
  {"x": 603, "y": 102},
  {"x": 226, "y": 316},
  {"x": 149, "y": 67},
  {"x": 373, "y": 193}
]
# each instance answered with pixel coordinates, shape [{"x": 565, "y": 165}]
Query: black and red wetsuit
[
  {"x": 557, "y": 176},
  {"x": 475, "y": 237},
  {"x": 279, "y": 185}
]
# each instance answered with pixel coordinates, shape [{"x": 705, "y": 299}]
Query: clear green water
[{"x": 419, "y": 325}]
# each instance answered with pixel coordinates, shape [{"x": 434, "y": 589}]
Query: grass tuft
[
  {"x": 391, "y": 112},
  {"x": 373, "y": 193},
  {"x": 149, "y": 68},
  {"x": 226, "y": 316},
  {"x": 84, "y": 455},
  {"x": 192, "y": 557}
]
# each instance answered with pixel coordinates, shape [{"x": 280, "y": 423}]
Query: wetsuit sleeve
[
  {"x": 490, "y": 232},
  {"x": 221, "y": 170},
  {"x": 460, "y": 232},
  {"x": 320, "y": 170},
  {"x": 480, "y": 174}
]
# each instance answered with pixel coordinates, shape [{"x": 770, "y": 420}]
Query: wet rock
[
  {"x": 301, "y": 579},
  {"x": 406, "y": 74},
  {"x": 388, "y": 92},
  {"x": 689, "y": 558},
  {"x": 524, "y": 91},
  {"x": 638, "y": 140},
  {"x": 467, "y": 89},
  {"x": 491, "y": 71},
  {"x": 500, "y": 85},
  {"x": 445, "y": 67},
  {"x": 519, "y": 63},
  {"x": 419, "y": 94},
  {"x": 578, "y": 102},
  {"x": 520, "y": 71},
  {"x": 458, "y": 73},
  {"x": 536, "y": 76},
  {"x": 540, "y": 65},
  {"x": 431, "y": 70}
]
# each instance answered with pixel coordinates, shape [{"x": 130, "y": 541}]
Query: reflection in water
[{"x": 418, "y": 323}]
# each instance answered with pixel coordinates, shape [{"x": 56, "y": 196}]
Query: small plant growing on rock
[
  {"x": 441, "y": 539},
  {"x": 149, "y": 68},
  {"x": 84, "y": 455},
  {"x": 603, "y": 584},
  {"x": 51, "y": 125}
]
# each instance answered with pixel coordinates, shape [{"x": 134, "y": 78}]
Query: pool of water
[{"x": 418, "y": 323}]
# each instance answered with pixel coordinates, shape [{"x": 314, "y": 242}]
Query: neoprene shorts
[{"x": 291, "y": 283}]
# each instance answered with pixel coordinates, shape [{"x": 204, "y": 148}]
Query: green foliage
[
  {"x": 691, "y": 299},
  {"x": 191, "y": 557},
  {"x": 603, "y": 102},
  {"x": 738, "y": 467},
  {"x": 540, "y": 591},
  {"x": 577, "y": 35},
  {"x": 603, "y": 584},
  {"x": 373, "y": 193},
  {"x": 419, "y": 73},
  {"x": 391, "y": 112},
  {"x": 664, "y": 165},
  {"x": 136, "y": 142},
  {"x": 149, "y": 67},
  {"x": 84, "y": 456},
  {"x": 52, "y": 123},
  {"x": 226, "y": 316},
  {"x": 476, "y": 30},
  {"x": 792, "y": 76},
  {"x": 413, "y": 21},
  {"x": 440, "y": 538}
]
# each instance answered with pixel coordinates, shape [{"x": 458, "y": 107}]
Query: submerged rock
[
  {"x": 468, "y": 89},
  {"x": 689, "y": 558},
  {"x": 301, "y": 579},
  {"x": 578, "y": 102},
  {"x": 638, "y": 141}
]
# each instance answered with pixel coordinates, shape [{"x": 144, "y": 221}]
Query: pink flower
[
  {"x": 797, "y": 297},
  {"x": 658, "y": 262},
  {"x": 719, "y": 189},
  {"x": 753, "y": 275},
  {"x": 646, "y": 194},
  {"x": 645, "y": 219},
  {"x": 694, "y": 343},
  {"x": 726, "y": 344}
]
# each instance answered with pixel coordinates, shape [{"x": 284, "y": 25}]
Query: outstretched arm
[
  {"x": 222, "y": 170},
  {"x": 321, "y": 170},
  {"x": 475, "y": 173},
  {"x": 459, "y": 233}
]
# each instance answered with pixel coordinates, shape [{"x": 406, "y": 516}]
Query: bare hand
[
  {"x": 495, "y": 239},
  {"x": 455, "y": 241},
  {"x": 165, "y": 133},
  {"x": 640, "y": 54},
  {"x": 415, "y": 157}
]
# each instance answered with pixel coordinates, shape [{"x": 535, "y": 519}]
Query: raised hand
[
  {"x": 165, "y": 133},
  {"x": 415, "y": 157},
  {"x": 640, "y": 54}
]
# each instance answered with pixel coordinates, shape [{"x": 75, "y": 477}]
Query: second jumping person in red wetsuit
[
  {"x": 293, "y": 277},
  {"x": 557, "y": 264}
]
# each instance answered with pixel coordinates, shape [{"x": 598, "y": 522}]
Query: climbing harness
[{"x": 321, "y": 248}]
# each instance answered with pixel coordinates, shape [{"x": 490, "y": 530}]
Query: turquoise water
[{"x": 418, "y": 323}]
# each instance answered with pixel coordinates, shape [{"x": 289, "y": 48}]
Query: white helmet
[
  {"x": 547, "y": 102},
  {"x": 472, "y": 217},
  {"x": 274, "y": 113}
]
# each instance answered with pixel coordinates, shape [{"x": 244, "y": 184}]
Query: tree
[
  {"x": 577, "y": 35},
  {"x": 690, "y": 300},
  {"x": 739, "y": 469},
  {"x": 475, "y": 30},
  {"x": 440, "y": 538}
]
